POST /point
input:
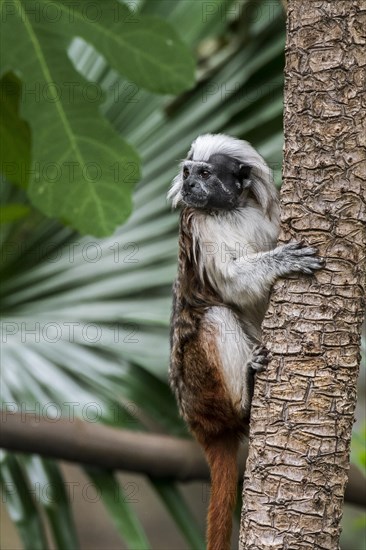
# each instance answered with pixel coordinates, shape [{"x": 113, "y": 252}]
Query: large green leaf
[
  {"x": 146, "y": 50},
  {"x": 82, "y": 172}
]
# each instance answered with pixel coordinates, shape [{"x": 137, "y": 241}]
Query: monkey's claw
[{"x": 260, "y": 359}]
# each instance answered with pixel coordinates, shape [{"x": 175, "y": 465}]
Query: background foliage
[{"x": 99, "y": 308}]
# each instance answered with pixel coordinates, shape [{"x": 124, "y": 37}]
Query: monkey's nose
[{"x": 192, "y": 183}]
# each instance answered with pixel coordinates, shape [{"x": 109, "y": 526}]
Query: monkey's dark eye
[
  {"x": 185, "y": 173},
  {"x": 205, "y": 174}
]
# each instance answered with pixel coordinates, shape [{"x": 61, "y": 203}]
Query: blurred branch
[
  {"x": 98, "y": 445},
  {"x": 155, "y": 455}
]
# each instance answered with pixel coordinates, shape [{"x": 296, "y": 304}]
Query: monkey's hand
[{"x": 297, "y": 257}]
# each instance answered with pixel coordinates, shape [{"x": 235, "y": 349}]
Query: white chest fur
[{"x": 223, "y": 238}]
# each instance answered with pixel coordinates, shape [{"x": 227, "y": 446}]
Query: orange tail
[{"x": 222, "y": 457}]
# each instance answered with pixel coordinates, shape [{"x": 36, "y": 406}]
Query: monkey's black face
[{"x": 216, "y": 184}]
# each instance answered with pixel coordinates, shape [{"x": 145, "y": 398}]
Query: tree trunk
[{"x": 303, "y": 407}]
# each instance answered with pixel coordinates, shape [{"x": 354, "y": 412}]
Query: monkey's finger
[
  {"x": 294, "y": 245},
  {"x": 315, "y": 263},
  {"x": 306, "y": 251},
  {"x": 307, "y": 270},
  {"x": 259, "y": 350},
  {"x": 258, "y": 367}
]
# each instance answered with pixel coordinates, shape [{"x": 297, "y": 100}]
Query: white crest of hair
[
  {"x": 174, "y": 193},
  {"x": 209, "y": 144},
  {"x": 261, "y": 176}
]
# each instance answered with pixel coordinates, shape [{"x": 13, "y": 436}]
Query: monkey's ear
[{"x": 244, "y": 174}]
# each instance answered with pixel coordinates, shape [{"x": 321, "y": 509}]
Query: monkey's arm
[{"x": 254, "y": 274}]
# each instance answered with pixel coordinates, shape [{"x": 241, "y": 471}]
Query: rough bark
[{"x": 303, "y": 407}]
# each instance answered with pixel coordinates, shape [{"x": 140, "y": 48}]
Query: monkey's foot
[{"x": 260, "y": 359}]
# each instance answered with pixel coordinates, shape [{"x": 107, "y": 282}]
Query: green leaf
[
  {"x": 15, "y": 136},
  {"x": 180, "y": 512},
  {"x": 116, "y": 502},
  {"x": 146, "y": 50},
  {"x": 83, "y": 171},
  {"x": 20, "y": 504},
  {"x": 13, "y": 212}
]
